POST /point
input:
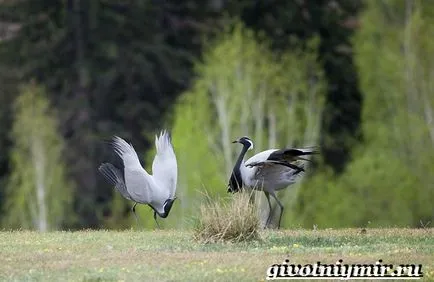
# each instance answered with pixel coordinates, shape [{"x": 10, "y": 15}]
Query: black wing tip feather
[
  {"x": 107, "y": 170},
  {"x": 111, "y": 140},
  {"x": 116, "y": 139},
  {"x": 107, "y": 141},
  {"x": 313, "y": 149},
  {"x": 314, "y": 152},
  {"x": 291, "y": 153},
  {"x": 115, "y": 178},
  {"x": 301, "y": 169},
  {"x": 299, "y": 152}
]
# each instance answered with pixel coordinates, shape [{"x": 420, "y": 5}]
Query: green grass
[{"x": 175, "y": 256}]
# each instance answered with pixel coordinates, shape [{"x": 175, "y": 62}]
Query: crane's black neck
[{"x": 236, "y": 181}]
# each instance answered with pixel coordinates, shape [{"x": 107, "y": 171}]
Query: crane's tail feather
[
  {"x": 114, "y": 177},
  {"x": 163, "y": 142}
]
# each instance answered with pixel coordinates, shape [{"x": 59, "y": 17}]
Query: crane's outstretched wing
[
  {"x": 114, "y": 176},
  {"x": 269, "y": 163},
  {"x": 284, "y": 157},
  {"x": 272, "y": 173},
  {"x": 138, "y": 182},
  {"x": 126, "y": 152},
  {"x": 165, "y": 167},
  {"x": 279, "y": 167}
]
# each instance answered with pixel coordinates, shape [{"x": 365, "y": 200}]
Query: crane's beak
[{"x": 236, "y": 141}]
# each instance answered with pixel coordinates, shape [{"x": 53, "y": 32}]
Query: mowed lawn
[{"x": 170, "y": 255}]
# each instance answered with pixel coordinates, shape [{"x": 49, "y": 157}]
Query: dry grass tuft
[{"x": 233, "y": 221}]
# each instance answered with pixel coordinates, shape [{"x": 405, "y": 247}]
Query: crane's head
[
  {"x": 167, "y": 206},
  {"x": 246, "y": 141}
]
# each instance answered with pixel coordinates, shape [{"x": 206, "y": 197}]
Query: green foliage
[
  {"x": 375, "y": 190},
  {"x": 389, "y": 181},
  {"x": 243, "y": 89},
  {"x": 38, "y": 194},
  {"x": 398, "y": 90},
  {"x": 115, "y": 68}
]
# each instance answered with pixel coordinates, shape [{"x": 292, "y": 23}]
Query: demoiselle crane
[
  {"x": 136, "y": 184},
  {"x": 268, "y": 171}
]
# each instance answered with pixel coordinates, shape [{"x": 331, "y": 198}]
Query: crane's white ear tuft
[{"x": 251, "y": 144}]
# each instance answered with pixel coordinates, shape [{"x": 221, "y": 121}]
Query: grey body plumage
[
  {"x": 136, "y": 184},
  {"x": 268, "y": 171}
]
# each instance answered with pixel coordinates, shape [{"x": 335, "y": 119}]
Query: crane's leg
[
  {"x": 155, "y": 218},
  {"x": 281, "y": 208},
  {"x": 134, "y": 212},
  {"x": 270, "y": 213}
]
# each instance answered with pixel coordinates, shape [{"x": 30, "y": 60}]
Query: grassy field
[{"x": 175, "y": 256}]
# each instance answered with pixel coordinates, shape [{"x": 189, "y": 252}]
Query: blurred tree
[
  {"x": 243, "y": 89},
  {"x": 334, "y": 22},
  {"x": 396, "y": 62},
  {"x": 8, "y": 82},
  {"x": 7, "y": 94},
  {"x": 115, "y": 67},
  {"x": 390, "y": 180},
  {"x": 110, "y": 67},
  {"x": 38, "y": 194}
]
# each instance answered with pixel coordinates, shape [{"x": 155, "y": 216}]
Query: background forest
[{"x": 354, "y": 77}]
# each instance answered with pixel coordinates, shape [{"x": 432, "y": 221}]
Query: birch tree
[
  {"x": 38, "y": 195},
  {"x": 389, "y": 181},
  {"x": 402, "y": 78}
]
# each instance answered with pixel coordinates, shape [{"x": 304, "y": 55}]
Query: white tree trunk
[
  {"x": 224, "y": 122},
  {"x": 429, "y": 117},
  {"x": 39, "y": 164},
  {"x": 272, "y": 136},
  {"x": 245, "y": 106},
  {"x": 259, "y": 118},
  {"x": 410, "y": 68}
]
